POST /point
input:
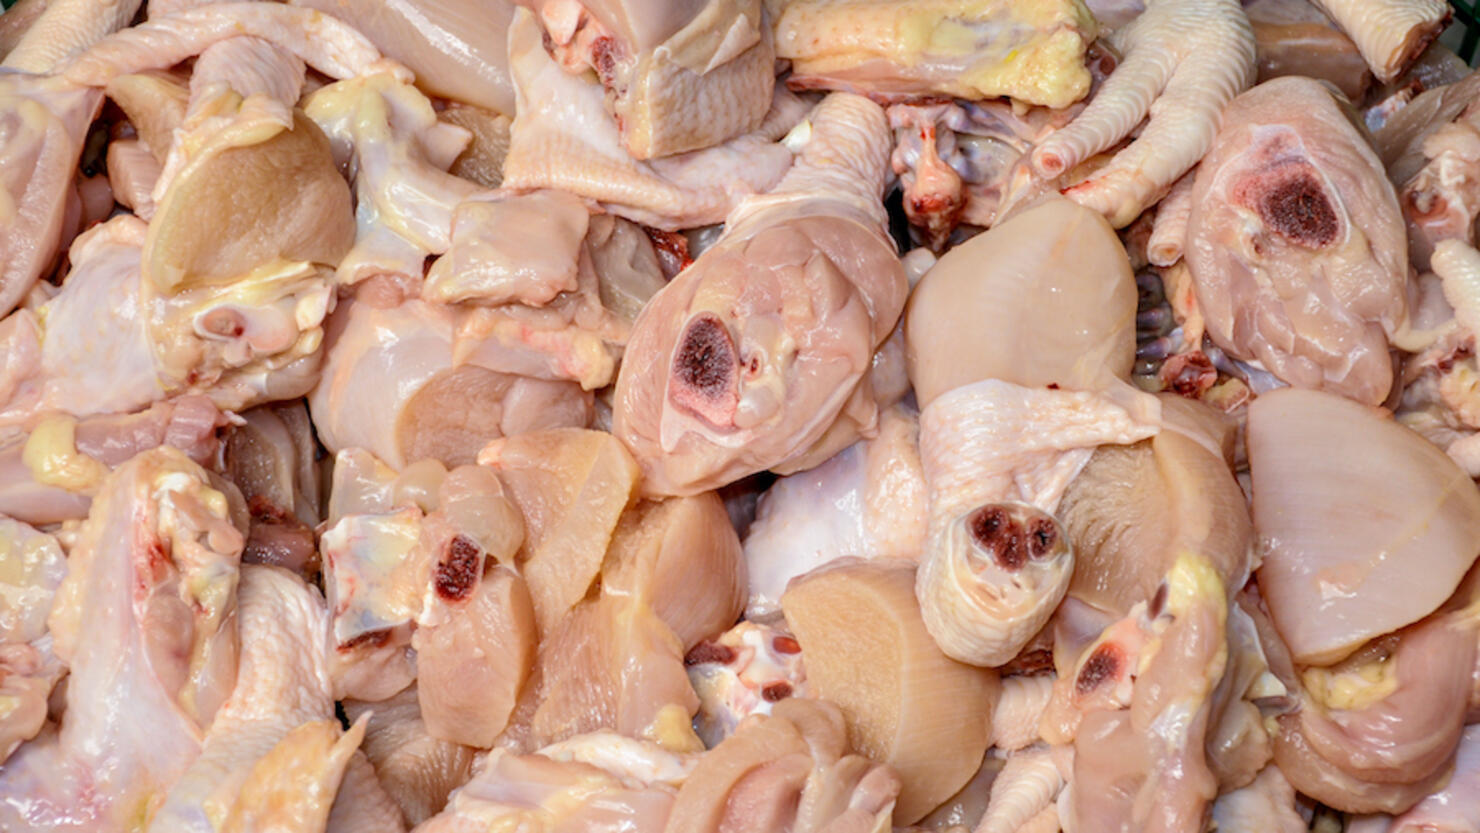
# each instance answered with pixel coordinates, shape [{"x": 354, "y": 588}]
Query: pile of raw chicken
[{"x": 731, "y": 416}]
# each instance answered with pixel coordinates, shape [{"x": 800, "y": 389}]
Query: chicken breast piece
[{"x": 458, "y": 50}]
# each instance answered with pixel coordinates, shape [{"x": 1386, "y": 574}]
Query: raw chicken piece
[
  {"x": 483, "y": 161},
  {"x": 535, "y": 792},
  {"x": 1031, "y": 52},
  {"x": 1265, "y": 806},
  {"x": 409, "y": 550},
  {"x": 427, "y": 404},
  {"x": 1378, "y": 732},
  {"x": 59, "y": 30},
  {"x": 375, "y": 576},
  {"x": 747, "y": 670},
  {"x": 23, "y": 15},
  {"x": 280, "y": 712},
  {"x": 49, "y": 475},
  {"x": 868, "y": 500},
  {"x": 1342, "y": 567},
  {"x": 458, "y": 49},
  {"x": 1452, "y": 809},
  {"x": 1019, "y": 710},
  {"x": 386, "y": 133},
  {"x": 248, "y": 181},
  {"x": 563, "y": 138},
  {"x": 323, "y": 42},
  {"x": 132, "y": 173},
  {"x": 997, "y": 458},
  {"x": 1442, "y": 200},
  {"x": 1296, "y": 243},
  {"x": 758, "y": 356},
  {"x": 1025, "y": 787},
  {"x": 417, "y": 770},
  {"x": 967, "y": 162},
  {"x": 1139, "y": 763},
  {"x": 1439, "y": 393},
  {"x": 511, "y": 248},
  {"x": 362, "y": 805},
  {"x": 271, "y": 460},
  {"x": 1293, "y": 37},
  {"x": 572, "y": 486},
  {"x": 610, "y": 664},
  {"x": 680, "y": 557},
  {"x": 790, "y": 770},
  {"x": 678, "y": 76},
  {"x": 1389, "y": 33},
  {"x": 45, "y": 120},
  {"x": 471, "y": 667},
  {"x": 253, "y": 339},
  {"x": 28, "y": 674},
  {"x": 32, "y": 567},
  {"x": 1044, "y": 299},
  {"x": 1184, "y": 60},
  {"x": 1133, "y": 509},
  {"x": 558, "y": 326},
  {"x": 908, "y": 705},
  {"x": 147, "y": 622}
]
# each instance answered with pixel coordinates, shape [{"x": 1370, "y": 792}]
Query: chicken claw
[{"x": 1184, "y": 60}]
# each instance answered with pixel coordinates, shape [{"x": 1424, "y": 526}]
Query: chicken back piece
[
  {"x": 750, "y": 356},
  {"x": 1031, "y": 52},
  {"x": 1297, "y": 247}
]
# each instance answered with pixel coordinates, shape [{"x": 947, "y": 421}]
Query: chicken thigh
[{"x": 748, "y": 358}]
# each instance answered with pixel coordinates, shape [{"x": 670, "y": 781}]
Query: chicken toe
[{"x": 1185, "y": 59}]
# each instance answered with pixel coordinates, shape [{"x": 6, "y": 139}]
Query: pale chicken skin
[
  {"x": 808, "y": 285},
  {"x": 1296, "y": 243}
]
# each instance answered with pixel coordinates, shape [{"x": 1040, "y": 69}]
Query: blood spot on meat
[
  {"x": 1104, "y": 664},
  {"x": 372, "y": 639},
  {"x": 672, "y": 249},
  {"x": 604, "y": 59},
  {"x": 707, "y": 652},
  {"x": 775, "y": 692},
  {"x": 457, "y": 572},
  {"x": 994, "y": 531},
  {"x": 704, "y": 371},
  {"x": 1158, "y": 600},
  {"x": 786, "y": 645},
  {"x": 1188, "y": 374}
]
